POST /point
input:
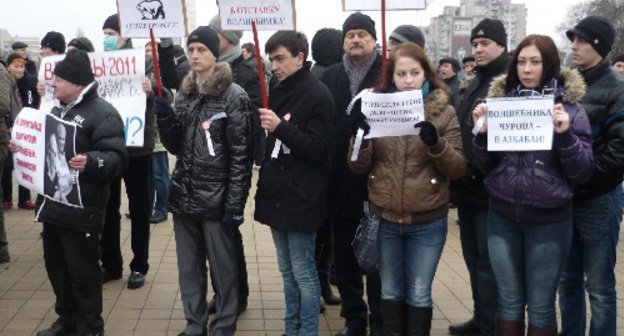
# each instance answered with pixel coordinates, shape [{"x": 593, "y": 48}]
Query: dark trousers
[
  {"x": 473, "y": 237},
  {"x": 72, "y": 262},
  {"x": 23, "y": 194},
  {"x": 323, "y": 249},
  {"x": 349, "y": 279},
  {"x": 137, "y": 180},
  {"x": 241, "y": 265}
]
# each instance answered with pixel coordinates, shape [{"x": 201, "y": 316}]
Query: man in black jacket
[
  {"x": 292, "y": 187},
  {"x": 347, "y": 190},
  {"x": 71, "y": 247},
  {"x": 598, "y": 202},
  {"x": 489, "y": 47}
]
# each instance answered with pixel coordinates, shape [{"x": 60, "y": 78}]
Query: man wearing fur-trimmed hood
[{"x": 208, "y": 130}]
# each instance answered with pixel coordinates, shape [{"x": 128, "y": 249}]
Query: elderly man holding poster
[{"x": 71, "y": 247}]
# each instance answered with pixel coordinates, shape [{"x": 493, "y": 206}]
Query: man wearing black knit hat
[
  {"x": 53, "y": 43},
  {"x": 71, "y": 247},
  {"x": 347, "y": 191},
  {"x": 598, "y": 202},
  {"x": 405, "y": 33},
  {"x": 209, "y": 133},
  {"x": 489, "y": 47}
]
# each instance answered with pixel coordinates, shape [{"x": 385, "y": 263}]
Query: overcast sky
[{"x": 36, "y": 17}]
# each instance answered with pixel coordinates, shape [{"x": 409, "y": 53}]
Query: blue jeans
[
  {"x": 590, "y": 266},
  {"x": 302, "y": 291},
  {"x": 409, "y": 258},
  {"x": 527, "y": 260},
  {"x": 160, "y": 182}
]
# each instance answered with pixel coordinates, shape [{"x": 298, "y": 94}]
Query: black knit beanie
[
  {"x": 491, "y": 29},
  {"x": 358, "y": 20},
  {"x": 327, "y": 46},
  {"x": 112, "y": 22},
  {"x": 597, "y": 31},
  {"x": 82, "y": 43},
  {"x": 75, "y": 68},
  {"x": 618, "y": 58},
  {"x": 408, "y": 33},
  {"x": 55, "y": 41},
  {"x": 206, "y": 36}
]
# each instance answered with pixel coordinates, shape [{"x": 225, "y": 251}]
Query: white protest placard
[
  {"x": 45, "y": 144},
  {"x": 120, "y": 76},
  {"x": 268, "y": 14},
  {"x": 166, "y": 17},
  {"x": 520, "y": 124},
  {"x": 393, "y": 114},
  {"x": 364, "y": 5}
]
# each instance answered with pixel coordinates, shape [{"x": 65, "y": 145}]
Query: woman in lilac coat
[{"x": 529, "y": 222}]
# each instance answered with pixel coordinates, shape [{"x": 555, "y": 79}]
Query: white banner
[
  {"x": 268, "y": 14},
  {"x": 45, "y": 144},
  {"x": 393, "y": 114},
  {"x": 520, "y": 124},
  {"x": 120, "y": 77},
  {"x": 166, "y": 17},
  {"x": 364, "y": 5}
]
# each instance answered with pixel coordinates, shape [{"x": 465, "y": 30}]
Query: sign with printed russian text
[
  {"x": 45, "y": 144},
  {"x": 268, "y": 14},
  {"x": 393, "y": 114},
  {"x": 119, "y": 75},
  {"x": 364, "y": 5},
  {"x": 166, "y": 17},
  {"x": 520, "y": 124}
]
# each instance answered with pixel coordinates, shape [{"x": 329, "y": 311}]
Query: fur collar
[
  {"x": 220, "y": 79},
  {"x": 574, "y": 86},
  {"x": 436, "y": 102}
]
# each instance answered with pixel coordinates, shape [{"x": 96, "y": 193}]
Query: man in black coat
[
  {"x": 598, "y": 202},
  {"x": 489, "y": 47},
  {"x": 347, "y": 190},
  {"x": 292, "y": 187},
  {"x": 71, "y": 247}
]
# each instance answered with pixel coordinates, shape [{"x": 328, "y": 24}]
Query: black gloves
[
  {"x": 232, "y": 221},
  {"x": 162, "y": 108},
  {"x": 359, "y": 122},
  {"x": 428, "y": 133}
]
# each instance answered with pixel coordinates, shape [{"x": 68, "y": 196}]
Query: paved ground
[{"x": 26, "y": 298}]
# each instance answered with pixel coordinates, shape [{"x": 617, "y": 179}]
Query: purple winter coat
[{"x": 536, "y": 187}]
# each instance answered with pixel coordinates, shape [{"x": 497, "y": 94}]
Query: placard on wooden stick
[{"x": 166, "y": 17}]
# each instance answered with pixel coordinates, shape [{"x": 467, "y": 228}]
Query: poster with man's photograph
[{"x": 45, "y": 144}]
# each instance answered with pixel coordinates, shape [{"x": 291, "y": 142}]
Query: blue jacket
[{"x": 537, "y": 186}]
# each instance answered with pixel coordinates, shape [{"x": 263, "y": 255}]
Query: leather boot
[
  {"x": 418, "y": 321},
  {"x": 537, "y": 331},
  {"x": 509, "y": 328},
  {"x": 465, "y": 328},
  {"x": 392, "y": 317}
]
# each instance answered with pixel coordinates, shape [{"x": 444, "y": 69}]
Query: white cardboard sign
[
  {"x": 367, "y": 5},
  {"x": 268, "y": 14},
  {"x": 393, "y": 114},
  {"x": 520, "y": 124},
  {"x": 166, "y": 17}
]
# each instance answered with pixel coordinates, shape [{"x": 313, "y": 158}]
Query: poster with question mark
[{"x": 119, "y": 75}]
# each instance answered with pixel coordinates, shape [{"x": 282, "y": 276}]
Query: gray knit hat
[{"x": 233, "y": 36}]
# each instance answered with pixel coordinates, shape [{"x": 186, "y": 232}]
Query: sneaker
[
  {"x": 136, "y": 280},
  {"x": 28, "y": 205},
  {"x": 7, "y": 205}
]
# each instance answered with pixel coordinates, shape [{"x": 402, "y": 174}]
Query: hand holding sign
[
  {"x": 479, "y": 118},
  {"x": 561, "y": 119},
  {"x": 428, "y": 133},
  {"x": 78, "y": 162}
]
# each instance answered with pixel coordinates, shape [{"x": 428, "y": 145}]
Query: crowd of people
[{"x": 533, "y": 224}]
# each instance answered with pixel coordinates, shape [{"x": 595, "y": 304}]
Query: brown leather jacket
[{"x": 407, "y": 181}]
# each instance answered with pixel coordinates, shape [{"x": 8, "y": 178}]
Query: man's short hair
[{"x": 294, "y": 41}]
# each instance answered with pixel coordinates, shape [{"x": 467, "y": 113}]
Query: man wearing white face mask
[{"x": 136, "y": 179}]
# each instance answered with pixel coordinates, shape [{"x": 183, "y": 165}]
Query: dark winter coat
[
  {"x": 452, "y": 84},
  {"x": 535, "y": 187},
  {"x": 27, "y": 87},
  {"x": 604, "y": 103},
  {"x": 292, "y": 188},
  {"x": 347, "y": 190},
  {"x": 99, "y": 136},
  {"x": 469, "y": 189},
  {"x": 172, "y": 75},
  {"x": 203, "y": 185}
]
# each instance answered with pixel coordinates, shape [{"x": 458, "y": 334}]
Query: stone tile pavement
[{"x": 26, "y": 298}]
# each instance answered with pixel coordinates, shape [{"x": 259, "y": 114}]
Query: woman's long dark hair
[
  {"x": 415, "y": 52},
  {"x": 551, "y": 64}
]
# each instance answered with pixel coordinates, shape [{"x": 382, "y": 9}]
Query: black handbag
[{"x": 365, "y": 244}]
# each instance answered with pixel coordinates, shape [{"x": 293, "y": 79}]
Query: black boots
[
  {"x": 326, "y": 290},
  {"x": 465, "y": 328},
  {"x": 510, "y": 328},
  {"x": 393, "y": 317},
  {"x": 418, "y": 321}
]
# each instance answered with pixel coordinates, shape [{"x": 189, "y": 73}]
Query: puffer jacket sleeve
[
  {"x": 574, "y": 147},
  {"x": 450, "y": 161},
  {"x": 5, "y": 91},
  {"x": 238, "y": 133},
  {"x": 108, "y": 159},
  {"x": 364, "y": 161}
]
